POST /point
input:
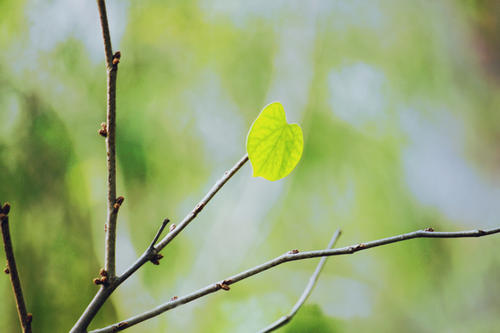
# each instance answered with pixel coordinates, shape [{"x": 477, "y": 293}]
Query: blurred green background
[{"x": 399, "y": 103}]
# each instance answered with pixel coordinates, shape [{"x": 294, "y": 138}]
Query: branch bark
[
  {"x": 307, "y": 291},
  {"x": 290, "y": 256},
  {"x": 106, "y": 290},
  {"x": 113, "y": 205},
  {"x": 24, "y": 317}
]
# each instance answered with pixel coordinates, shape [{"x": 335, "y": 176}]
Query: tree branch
[
  {"x": 106, "y": 290},
  {"x": 113, "y": 203},
  {"x": 199, "y": 207},
  {"x": 307, "y": 291},
  {"x": 24, "y": 317},
  {"x": 290, "y": 256}
]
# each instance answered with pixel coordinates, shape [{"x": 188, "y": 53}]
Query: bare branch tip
[{"x": 6, "y": 208}]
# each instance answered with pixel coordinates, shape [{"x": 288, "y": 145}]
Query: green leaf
[{"x": 274, "y": 147}]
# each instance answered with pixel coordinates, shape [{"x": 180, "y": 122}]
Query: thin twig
[
  {"x": 113, "y": 206},
  {"x": 24, "y": 317},
  {"x": 290, "y": 256},
  {"x": 199, "y": 207},
  {"x": 307, "y": 291},
  {"x": 105, "y": 291},
  {"x": 158, "y": 234}
]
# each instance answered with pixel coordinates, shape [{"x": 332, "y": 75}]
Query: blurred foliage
[
  {"x": 311, "y": 319},
  {"x": 398, "y": 101}
]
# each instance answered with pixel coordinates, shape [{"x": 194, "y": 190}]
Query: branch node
[
  {"x": 156, "y": 258},
  {"x": 223, "y": 286},
  {"x": 198, "y": 208},
  {"x": 359, "y": 246},
  {"x": 172, "y": 227},
  {"x": 122, "y": 324}
]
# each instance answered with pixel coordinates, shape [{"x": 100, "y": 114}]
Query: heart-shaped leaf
[{"x": 274, "y": 147}]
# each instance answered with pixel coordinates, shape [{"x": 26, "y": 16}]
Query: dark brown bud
[
  {"x": 174, "y": 298},
  {"x": 97, "y": 281},
  {"x": 122, "y": 324},
  {"x": 29, "y": 318},
  {"x": 156, "y": 259},
  {"x": 116, "y": 58},
  {"x": 103, "y": 130},
  {"x": 293, "y": 251},
  {"x": 103, "y": 272},
  {"x": 119, "y": 200},
  {"x": 6, "y": 270},
  {"x": 429, "y": 229},
  {"x": 172, "y": 227},
  {"x": 224, "y": 286}
]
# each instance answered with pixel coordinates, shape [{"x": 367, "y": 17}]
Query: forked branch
[
  {"x": 290, "y": 256},
  {"x": 307, "y": 291},
  {"x": 152, "y": 251},
  {"x": 11, "y": 269}
]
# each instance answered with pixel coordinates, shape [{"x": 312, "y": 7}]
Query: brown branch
[
  {"x": 289, "y": 256},
  {"x": 112, "y": 61},
  {"x": 307, "y": 291},
  {"x": 24, "y": 317},
  {"x": 106, "y": 290}
]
